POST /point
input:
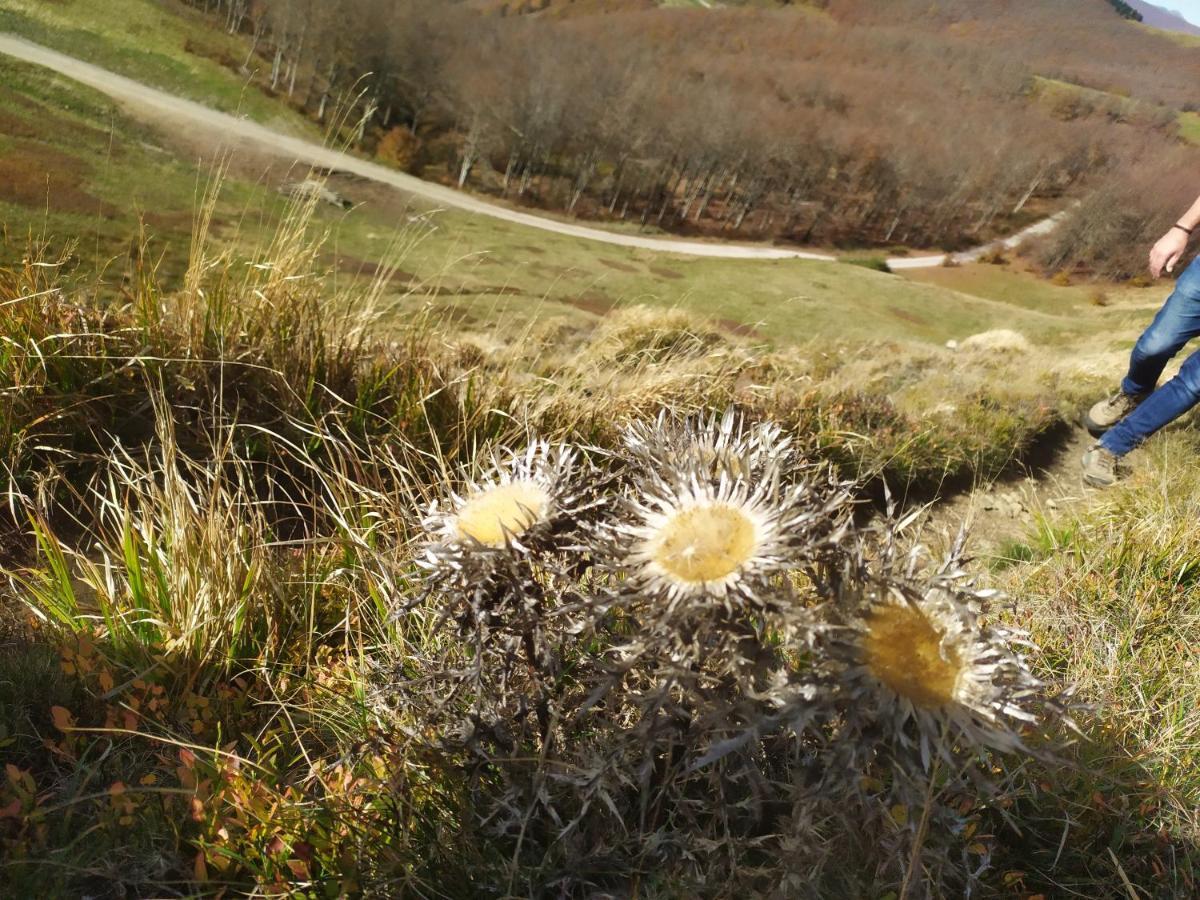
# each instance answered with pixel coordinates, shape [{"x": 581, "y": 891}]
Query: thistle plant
[
  {"x": 708, "y": 622},
  {"x": 498, "y": 560}
]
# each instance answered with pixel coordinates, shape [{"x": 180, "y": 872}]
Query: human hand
[{"x": 1168, "y": 251}]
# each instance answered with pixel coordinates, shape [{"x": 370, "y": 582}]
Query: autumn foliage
[{"x": 843, "y": 122}]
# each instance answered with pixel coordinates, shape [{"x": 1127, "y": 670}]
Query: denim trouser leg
[
  {"x": 1176, "y": 324},
  {"x": 1161, "y": 408}
]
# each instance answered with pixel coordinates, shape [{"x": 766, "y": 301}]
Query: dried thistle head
[
  {"x": 720, "y": 509},
  {"x": 713, "y": 571},
  {"x": 519, "y": 506},
  {"x": 690, "y": 540},
  {"x": 684, "y": 539},
  {"x": 912, "y": 664},
  {"x": 495, "y": 515},
  {"x": 504, "y": 551}
]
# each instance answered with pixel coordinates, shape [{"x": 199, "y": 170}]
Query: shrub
[
  {"x": 608, "y": 650},
  {"x": 874, "y": 263},
  {"x": 398, "y": 147},
  {"x": 375, "y": 614}
]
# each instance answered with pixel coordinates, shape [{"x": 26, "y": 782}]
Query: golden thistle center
[
  {"x": 497, "y": 513},
  {"x": 705, "y": 543},
  {"x": 903, "y": 650}
]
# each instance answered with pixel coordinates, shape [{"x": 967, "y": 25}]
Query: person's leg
[
  {"x": 1161, "y": 408},
  {"x": 1176, "y": 323}
]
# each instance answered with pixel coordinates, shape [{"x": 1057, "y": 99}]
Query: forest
[
  {"x": 842, "y": 123},
  {"x": 1126, "y": 10}
]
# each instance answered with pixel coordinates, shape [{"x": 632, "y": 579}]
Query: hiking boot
[
  {"x": 1107, "y": 413},
  {"x": 1100, "y": 467}
]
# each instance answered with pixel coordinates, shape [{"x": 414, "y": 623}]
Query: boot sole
[
  {"x": 1094, "y": 428},
  {"x": 1097, "y": 482}
]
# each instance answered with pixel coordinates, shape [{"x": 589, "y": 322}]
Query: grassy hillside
[
  {"x": 1111, "y": 597},
  {"x": 261, "y": 631},
  {"x": 93, "y": 173},
  {"x": 220, "y": 664}
]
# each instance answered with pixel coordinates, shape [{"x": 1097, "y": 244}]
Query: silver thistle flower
[
  {"x": 522, "y": 505},
  {"x": 684, "y": 537},
  {"x": 913, "y": 663}
]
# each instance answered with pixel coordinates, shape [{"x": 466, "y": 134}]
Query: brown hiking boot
[
  {"x": 1107, "y": 413},
  {"x": 1100, "y": 467}
]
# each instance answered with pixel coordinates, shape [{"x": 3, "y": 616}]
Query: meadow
[{"x": 337, "y": 562}]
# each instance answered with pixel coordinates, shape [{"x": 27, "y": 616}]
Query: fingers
[{"x": 1171, "y": 262}]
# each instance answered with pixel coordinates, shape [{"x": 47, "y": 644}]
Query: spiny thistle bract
[{"x": 713, "y": 445}]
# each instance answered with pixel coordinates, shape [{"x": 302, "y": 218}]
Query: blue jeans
[{"x": 1176, "y": 324}]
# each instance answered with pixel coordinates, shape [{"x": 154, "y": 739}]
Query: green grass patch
[
  {"x": 1189, "y": 127},
  {"x": 1014, "y": 288},
  {"x": 1114, "y": 601},
  {"x": 874, "y": 263},
  {"x": 161, "y": 43},
  {"x": 72, "y": 164},
  {"x": 1062, "y": 94}
]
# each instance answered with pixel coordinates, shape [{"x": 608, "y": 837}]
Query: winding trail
[
  {"x": 172, "y": 110},
  {"x": 1045, "y": 226}
]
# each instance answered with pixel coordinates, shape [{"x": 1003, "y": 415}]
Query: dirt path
[
  {"x": 1046, "y": 487},
  {"x": 174, "y": 111}
]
